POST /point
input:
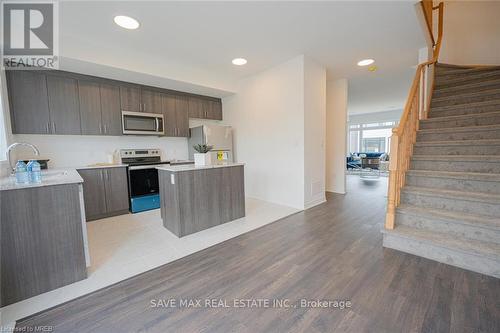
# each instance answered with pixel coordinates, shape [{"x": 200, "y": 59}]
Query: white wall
[
  {"x": 314, "y": 132},
  {"x": 81, "y": 150},
  {"x": 267, "y": 114},
  {"x": 375, "y": 117},
  {"x": 471, "y": 33},
  {"x": 336, "y": 118}
]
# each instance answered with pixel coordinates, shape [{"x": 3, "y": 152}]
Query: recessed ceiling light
[
  {"x": 126, "y": 22},
  {"x": 239, "y": 61},
  {"x": 365, "y": 62}
]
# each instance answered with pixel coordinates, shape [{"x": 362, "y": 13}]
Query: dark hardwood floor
[{"x": 332, "y": 252}]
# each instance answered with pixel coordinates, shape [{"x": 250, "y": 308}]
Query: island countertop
[{"x": 192, "y": 167}]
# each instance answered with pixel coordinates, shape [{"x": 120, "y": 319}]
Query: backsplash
[{"x": 77, "y": 150}]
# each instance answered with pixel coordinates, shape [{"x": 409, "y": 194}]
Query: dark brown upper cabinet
[
  {"x": 130, "y": 97},
  {"x": 111, "y": 109},
  {"x": 214, "y": 110},
  {"x": 182, "y": 116},
  {"x": 151, "y": 101},
  {"x": 169, "y": 119},
  {"x": 90, "y": 107},
  {"x": 203, "y": 108},
  {"x": 175, "y": 115},
  {"x": 29, "y": 105},
  {"x": 59, "y": 102},
  {"x": 196, "y": 107},
  {"x": 63, "y": 105}
]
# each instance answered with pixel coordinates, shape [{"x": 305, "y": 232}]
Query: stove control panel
[{"x": 131, "y": 153}]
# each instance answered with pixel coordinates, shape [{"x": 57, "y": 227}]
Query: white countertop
[
  {"x": 191, "y": 167},
  {"x": 50, "y": 177},
  {"x": 101, "y": 166}
]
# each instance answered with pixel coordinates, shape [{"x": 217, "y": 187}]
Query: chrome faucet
[{"x": 15, "y": 144}]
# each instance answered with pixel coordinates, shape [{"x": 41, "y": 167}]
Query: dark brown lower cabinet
[
  {"x": 42, "y": 245},
  {"x": 105, "y": 192}
]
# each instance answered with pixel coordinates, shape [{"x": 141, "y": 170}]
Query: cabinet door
[
  {"x": 130, "y": 98},
  {"x": 29, "y": 107},
  {"x": 63, "y": 105},
  {"x": 214, "y": 110},
  {"x": 110, "y": 109},
  {"x": 169, "y": 114},
  {"x": 94, "y": 193},
  {"x": 196, "y": 107},
  {"x": 182, "y": 116},
  {"x": 151, "y": 101},
  {"x": 116, "y": 189},
  {"x": 90, "y": 107}
]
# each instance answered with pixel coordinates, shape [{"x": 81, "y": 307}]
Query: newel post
[{"x": 392, "y": 192}]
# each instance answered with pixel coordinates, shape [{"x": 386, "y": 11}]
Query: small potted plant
[{"x": 202, "y": 157}]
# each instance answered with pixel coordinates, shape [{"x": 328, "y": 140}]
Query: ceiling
[{"x": 199, "y": 39}]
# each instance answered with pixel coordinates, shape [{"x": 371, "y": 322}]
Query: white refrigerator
[{"x": 219, "y": 137}]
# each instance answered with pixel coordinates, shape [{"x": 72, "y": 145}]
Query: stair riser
[
  {"x": 457, "y": 111},
  {"x": 457, "y": 150},
  {"x": 463, "y": 122},
  {"x": 458, "y": 166},
  {"x": 458, "y": 100},
  {"x": 451, "y": 204},
  {"x": 450, "y": 136},
  {"x": 449, "y": 227},
  {"x": 454, "y": 184},
  {"x": 464, "y": 89},
  {"x": 444, "y": 81},
  {"x": 483, "y": 265}
]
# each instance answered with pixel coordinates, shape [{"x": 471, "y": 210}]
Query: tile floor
[{"x": 127, "y": 245}]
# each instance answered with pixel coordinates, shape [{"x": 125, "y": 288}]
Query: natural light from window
[{"x": 370, "y": 137}]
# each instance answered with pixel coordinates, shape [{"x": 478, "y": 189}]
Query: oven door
[
  {"x": 142, "y": 123},
  {"x": 143, "y": 181}
]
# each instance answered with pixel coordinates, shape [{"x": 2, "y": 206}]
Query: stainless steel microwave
[{"x": 142, "y": 123}]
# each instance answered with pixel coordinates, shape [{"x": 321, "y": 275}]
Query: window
[{"x": 370, "y": 137}]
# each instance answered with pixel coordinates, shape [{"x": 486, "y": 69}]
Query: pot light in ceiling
[
  {"x": 126, "y": 22},
  {"x": 365, "y": 62},
  {"x": 239, "y": 61}
]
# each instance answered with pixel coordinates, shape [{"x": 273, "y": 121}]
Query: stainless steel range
[{"x": 142, "y": 177}]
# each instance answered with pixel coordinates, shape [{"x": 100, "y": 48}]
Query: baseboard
[
  {"x": 314, "y": 203},
  {"x": 336, "y": 192}
]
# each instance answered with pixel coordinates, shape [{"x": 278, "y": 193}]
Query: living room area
[{"x": 369, "y": 143}]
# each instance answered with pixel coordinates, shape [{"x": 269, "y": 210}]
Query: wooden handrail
[{"x": 416, "y": 107}]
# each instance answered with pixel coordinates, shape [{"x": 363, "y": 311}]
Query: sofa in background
[{"x": 353, "y": 161}]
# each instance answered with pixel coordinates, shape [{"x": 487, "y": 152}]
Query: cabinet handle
[
  {"x": 53, "y": 127},
  {"x": 48, "y": 128},
  {"x": 100, "y": 128},
  {"x": 144, "y": 107},
  {"x": 105, "y": 129},
  {"x": 101, "y": 173}
]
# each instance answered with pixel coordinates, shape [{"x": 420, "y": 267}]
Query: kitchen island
[{"x": 195, "y": 198}]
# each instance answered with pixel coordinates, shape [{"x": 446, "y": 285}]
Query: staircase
[{"x": 449, "y": 207}]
